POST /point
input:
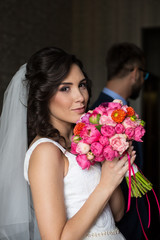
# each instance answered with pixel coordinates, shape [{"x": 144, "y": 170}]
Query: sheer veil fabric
[{"x": 15, "y": 216}]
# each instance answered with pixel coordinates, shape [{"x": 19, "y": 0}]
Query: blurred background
[{"x": 88, "y": 28}]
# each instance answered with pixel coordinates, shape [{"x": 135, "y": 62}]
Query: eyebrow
[{"x": 69, "y": 83}]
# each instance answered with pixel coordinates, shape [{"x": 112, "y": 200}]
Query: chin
[{"x": 77, "y": 118}]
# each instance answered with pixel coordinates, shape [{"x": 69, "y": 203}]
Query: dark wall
[
  {"x": 25, "y": 27},
  {"x": 85, "y": 27}
]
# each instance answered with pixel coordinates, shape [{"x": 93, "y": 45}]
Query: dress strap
[{"x": 41, "y": 140}]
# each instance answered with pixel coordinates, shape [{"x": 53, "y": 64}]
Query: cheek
[
  {"x": 56, "y": 103},
  {"x": 59, "y": 100},
  {"x": 141, "y": 79},
  {"x": 138, "y": 82}
]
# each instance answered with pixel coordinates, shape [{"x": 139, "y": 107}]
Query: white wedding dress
[{"x": 78, "y": 185}]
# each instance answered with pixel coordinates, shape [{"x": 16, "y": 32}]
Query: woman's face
[{"x": 70, "y": 100}]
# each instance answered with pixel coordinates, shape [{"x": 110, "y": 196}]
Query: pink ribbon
[
  {"x": 137, "y": 204},
  {"x": 130, "y": 169},
  {"x": 129, "y": 192},
  {"x": 140, "y": 220},
  {"x": 152, "y": 190},
  {"x": 156, "y": 200},
  {"x": 149, "y": 211}
]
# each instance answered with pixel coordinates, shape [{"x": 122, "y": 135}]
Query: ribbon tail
[
  {"x": 152, "y": 191},
  {"x": 149, "y": 211},
  {"x": 129, "y": 191},
  {"x": 156, "y": 200},
  {"x": 140, "y": 220}
]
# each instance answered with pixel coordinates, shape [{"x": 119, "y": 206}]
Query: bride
[{"x": 44, "y": 193}]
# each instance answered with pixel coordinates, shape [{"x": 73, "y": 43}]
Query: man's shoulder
[{"x": 101, "y": 99}]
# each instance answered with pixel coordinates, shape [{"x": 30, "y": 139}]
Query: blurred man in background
[{"x": 125, "y": 64}]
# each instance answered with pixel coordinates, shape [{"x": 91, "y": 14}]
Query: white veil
[{"x": 15, "y": 215}]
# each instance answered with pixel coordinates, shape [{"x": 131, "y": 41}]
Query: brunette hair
[
  {"x": 45, "y": 71},
  {"x": 122, "y": 58}
]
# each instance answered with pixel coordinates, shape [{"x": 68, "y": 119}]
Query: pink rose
[
  {"x": 119, "y": 128},
  {"x": 107, "y": 131},
  {"x": 104, "y": 104},
  {"x": 83, "y": 161},
  {"x": 109, "y": 112},
  {"x": 85, "y": 117},
  {"x": 73, "y": 148},
  {"x": 129, "y": 123},
  {"x": 114, "y": 105},
  {"x": 104, "y": 140},
  {"x": 130, "y": 132},
  {"x": 90, "y": 134},
  {"x": 109, "y": 153},
  {"x": 107, "y": 120},
  {"x": 119, "y": 143},
  {"x": 99, "y": 158},
  {"x": 139, "y": 133},
  {"x": 82, "y": 148},
  {"x": 100, "y": 109},
  {"x": 96, "y": 148}
]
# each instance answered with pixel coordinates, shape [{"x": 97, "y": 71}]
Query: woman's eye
[
  {"x": 64, "y": 89},
  {"x": 83, "y": 85}
]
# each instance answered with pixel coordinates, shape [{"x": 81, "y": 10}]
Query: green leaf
[{"x": 98, "y": 127}]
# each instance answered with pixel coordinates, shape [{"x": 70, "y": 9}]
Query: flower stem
[
  {"x": 139, "y": 185},
  {"x": 145, "y": 183}
]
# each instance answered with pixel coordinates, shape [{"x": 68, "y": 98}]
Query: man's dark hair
[{"x": 122, "y": 58}]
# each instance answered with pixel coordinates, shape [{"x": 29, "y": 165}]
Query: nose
[{"x": 78, "y": 96}]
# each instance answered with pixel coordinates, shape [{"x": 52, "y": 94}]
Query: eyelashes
[
  {"x": 64, "y": 89},
  {"x": 82, "y": 85}
]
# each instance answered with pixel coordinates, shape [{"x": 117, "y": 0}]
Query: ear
[{"x": 133, "y": 75}]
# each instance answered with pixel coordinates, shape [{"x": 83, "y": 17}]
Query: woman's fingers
[
  {"x": 130, "y": 149},
  {"x": 132, "y": 159},
  {"x": 124, "y": 161},
  {"x": 116, "y": 169}
]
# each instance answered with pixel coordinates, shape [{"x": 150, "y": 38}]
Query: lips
[{"x": 79, "y": 110}]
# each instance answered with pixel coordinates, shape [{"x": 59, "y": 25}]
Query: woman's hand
[
  {"x": 112, "y": 174},
  {"x": 114, "y": 171}
]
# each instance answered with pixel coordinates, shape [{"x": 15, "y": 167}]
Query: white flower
[
  {"x": 82, "y": 148},
  {"x": 118, "y": 101}
]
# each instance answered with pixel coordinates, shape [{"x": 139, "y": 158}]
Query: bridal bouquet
[{"x": 104, "y": 133}]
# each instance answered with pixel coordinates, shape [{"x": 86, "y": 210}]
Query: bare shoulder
[
  {"x": 46, "y": 170},
  {"x": 46, "y": 156},
  {"x": 45, "y": 149}
]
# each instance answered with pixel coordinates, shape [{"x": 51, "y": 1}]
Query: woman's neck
[{"x": 66, "y": 131}]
